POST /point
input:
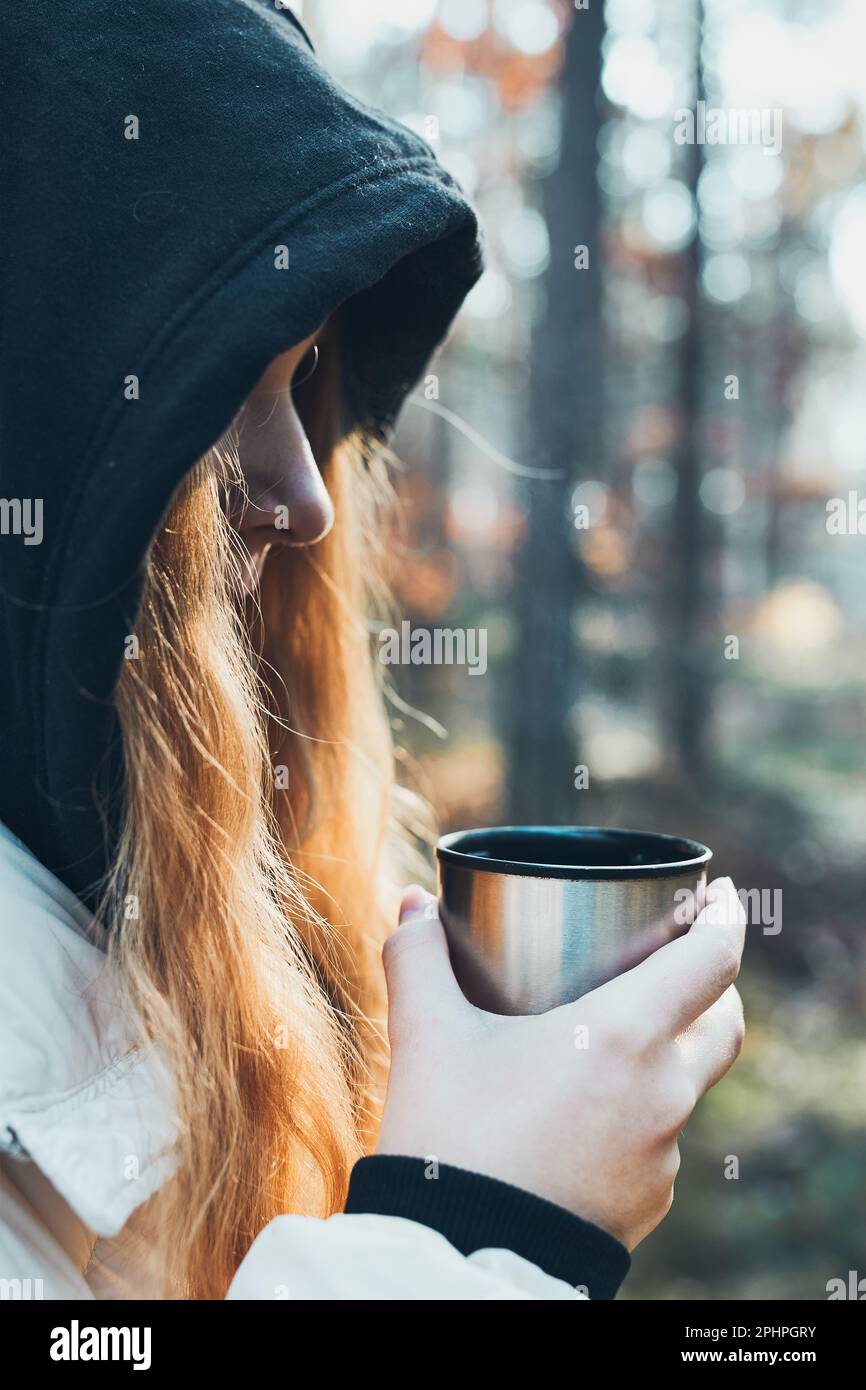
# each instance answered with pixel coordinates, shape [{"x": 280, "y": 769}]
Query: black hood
[{"x": 155, "y": 258}]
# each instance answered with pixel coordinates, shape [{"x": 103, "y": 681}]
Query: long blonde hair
[{"x": 255, "y": 856}]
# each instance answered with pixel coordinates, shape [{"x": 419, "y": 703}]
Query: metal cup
[{"x": 537, "y": 915}]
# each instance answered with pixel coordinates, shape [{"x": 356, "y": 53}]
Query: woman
[{"x": 222, "y": 276}]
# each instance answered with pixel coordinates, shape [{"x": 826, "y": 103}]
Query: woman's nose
[
  {"x": 309, "y": 510},
  {"x": 288, "y": 501}
]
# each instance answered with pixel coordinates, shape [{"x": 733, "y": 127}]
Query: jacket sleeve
[{"x": 413, "y": 1230}]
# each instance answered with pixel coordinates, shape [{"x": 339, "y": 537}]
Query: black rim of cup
[{"x": 554, "y": 851}]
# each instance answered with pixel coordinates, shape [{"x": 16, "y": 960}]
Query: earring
[{"x": 313, "y": 356}]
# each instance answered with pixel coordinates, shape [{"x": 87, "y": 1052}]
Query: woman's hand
[{"x": 582, "y": 1105}]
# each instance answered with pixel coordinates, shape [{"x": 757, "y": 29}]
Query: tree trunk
[
  {"x": 564, "y": 434},
  {"x": 688, "y": 689}
]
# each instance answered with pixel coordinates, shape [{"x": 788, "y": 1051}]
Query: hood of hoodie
[{"x": 187, "y": 194}]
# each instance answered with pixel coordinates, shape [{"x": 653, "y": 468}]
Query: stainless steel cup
[{"x": 537, "y": 915}]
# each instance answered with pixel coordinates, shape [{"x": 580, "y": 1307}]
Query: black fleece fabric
[{"x": 156, "y": 258}]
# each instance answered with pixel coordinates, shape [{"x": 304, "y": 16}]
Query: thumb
[{"x": 421, "y": 983}]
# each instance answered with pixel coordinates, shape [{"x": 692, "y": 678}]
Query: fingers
[
  {"x": 711, "y": 1045},
  {"x": 421, "y": 983},
  {"x": 668, "y": 991},
  {"x": 415, "y": 901}
]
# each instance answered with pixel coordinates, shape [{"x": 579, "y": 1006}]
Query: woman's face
[{"x": 288, "y": 501}]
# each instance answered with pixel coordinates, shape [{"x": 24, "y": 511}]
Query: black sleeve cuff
[{"x": 475, "y": 1212}]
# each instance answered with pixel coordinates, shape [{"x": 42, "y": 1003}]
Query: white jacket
[{"x": 86, "y": 1126}]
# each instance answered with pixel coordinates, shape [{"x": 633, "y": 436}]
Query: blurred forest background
[{"x": 708, "y": 519}]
